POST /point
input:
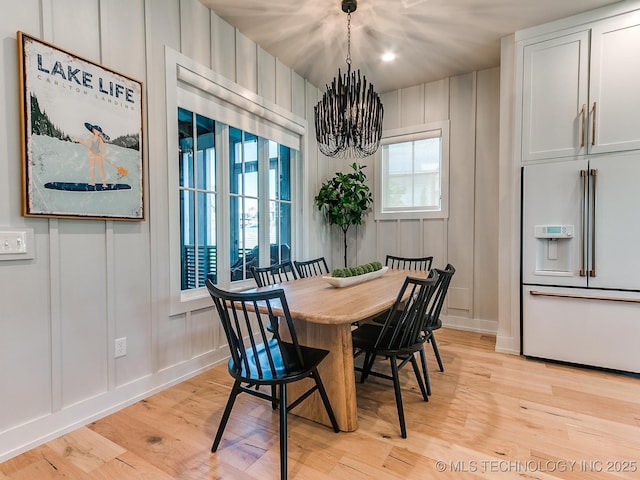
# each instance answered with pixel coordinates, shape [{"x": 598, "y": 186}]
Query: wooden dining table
[{"x": 323, "y": 316}]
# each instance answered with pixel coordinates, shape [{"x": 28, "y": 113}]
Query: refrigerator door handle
[
  {"x": 594, "y": 174},
  {"x": 583, "y": 234},
  {"x": 536, "y": 293}
]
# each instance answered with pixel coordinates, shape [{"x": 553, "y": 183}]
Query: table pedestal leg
[{"x": 336, "y": 371}]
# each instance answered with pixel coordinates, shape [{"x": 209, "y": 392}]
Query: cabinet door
[
  {"x": 615, "y": 84},
  {"x": 555, "y": 97}
]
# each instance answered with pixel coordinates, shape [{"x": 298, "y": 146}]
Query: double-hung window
[{"x": 412, "y": 173}]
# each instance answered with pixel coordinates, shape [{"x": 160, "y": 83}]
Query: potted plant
[{"x": 344, "y": 200}]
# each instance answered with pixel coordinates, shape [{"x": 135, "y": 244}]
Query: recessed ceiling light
[{"x": 388, "y": 57}]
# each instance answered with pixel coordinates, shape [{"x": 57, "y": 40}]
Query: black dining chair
[
  {"x": 398, "y": 339},
  {"x": 311, "y": 268},
  {"x": 278, "y": 273},
  {"x": 432, "y": 318},
  {"x": 257, "y": 359},
  {"x": 408, "y": 263}
]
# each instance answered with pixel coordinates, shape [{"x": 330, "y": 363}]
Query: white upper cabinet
[
  {"x": 555, "y": 96},
  {"x": 614, "y": 91},
  {"x": 580, "y": 91}
]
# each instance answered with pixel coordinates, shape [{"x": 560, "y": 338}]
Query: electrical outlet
[{"x": 121, "y": 347}]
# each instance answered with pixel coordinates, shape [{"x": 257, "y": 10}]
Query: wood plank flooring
[{"x": 491, "y": 415}]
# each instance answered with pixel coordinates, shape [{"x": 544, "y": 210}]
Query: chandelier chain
[{"x": 349, "y": 39}]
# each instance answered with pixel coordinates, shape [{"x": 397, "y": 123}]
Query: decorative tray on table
[{"x": 372, "y": 270}]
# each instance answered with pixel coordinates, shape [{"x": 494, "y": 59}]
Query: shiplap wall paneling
[
  {"x": 387, "y": 239},
  {"x": 122, "y": 33},
  {"x": 27, "y": 19},
  {"x": 223, "y": 47},
  {"x": 412, "y": 103},
  {"x": 25, "y": 349},
  {"x": 83, "y": 309},
  {"x": 266, "y": 75},
  {"x": 246, "y": 62},
  {"x": 173, "y": 341},
  {"x": 162, "y": 27},
  {"x": 195, "y": 31},
  {"x": 365, "y": 239},
  {"x": 316, "y": 240},
  {"x": 434, "y": 240},
  {"x": 485, "y": 266},
  {"x": 410, "y": 238},
  {"x": 128, "y": 242},
  {"x": 283, "y": 85},
  {"x": 73, "y": 20},
  {"x": 80, "y": 259},
  {"x": 391, "y": 105},
  {"x": 462, "y": 186},
  {"x": 205, "y": 330},
  {"x": 436, "y": 104},
  {"x": 132, "y": 305}
]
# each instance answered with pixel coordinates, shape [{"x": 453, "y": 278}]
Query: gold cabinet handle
[
  {"x": 593, "y": 124},
  {"x": 583, "y": 117}
]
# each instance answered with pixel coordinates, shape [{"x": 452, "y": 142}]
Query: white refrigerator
[{"x": 581, "y": 261}]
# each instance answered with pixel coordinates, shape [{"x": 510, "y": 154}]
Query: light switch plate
[
  {"x": 13, "y": 242},
  {"x": 16, "y": 243}
]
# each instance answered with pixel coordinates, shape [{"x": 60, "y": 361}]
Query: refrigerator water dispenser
[{"x": 554, "y": 248}]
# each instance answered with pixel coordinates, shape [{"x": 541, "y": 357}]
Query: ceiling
[{"x": 432, "y": 39}]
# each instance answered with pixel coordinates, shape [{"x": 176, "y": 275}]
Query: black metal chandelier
[{"x": 349, "y": 116}]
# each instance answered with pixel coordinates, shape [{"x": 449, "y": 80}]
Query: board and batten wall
[
  {"x": 468, "y": 238},
  {"x": 92, "y": 281}
]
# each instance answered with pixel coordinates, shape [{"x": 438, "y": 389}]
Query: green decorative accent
[
  {"x": 357, "y": 270},
  {"x": 344, "y": 200}
]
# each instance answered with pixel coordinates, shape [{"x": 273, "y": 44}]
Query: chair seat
[
  {"x": 366, "y": 335},
  {"x": 431, "y": 324},
  {"x": 286, "y": 366}
]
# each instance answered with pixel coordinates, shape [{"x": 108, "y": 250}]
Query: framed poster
[{"x": 82, "y": 136}]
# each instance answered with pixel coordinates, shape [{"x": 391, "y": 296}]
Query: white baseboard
[
  {"x": 26, "y": 436},
  {"x": 503, "y": 344},
  {"x": 470, "y": 324}
]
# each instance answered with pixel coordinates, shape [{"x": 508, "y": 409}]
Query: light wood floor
[{"x": 491, "y": 415}]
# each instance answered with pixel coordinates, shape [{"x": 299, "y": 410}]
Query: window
[
  {"x": 412, "y": 173},
  {"x": 197, "y": 173},
  {"x": 233, "y": 182},
  {"x": 258, "y": 187},
  {"x": 249, "y": 157}
]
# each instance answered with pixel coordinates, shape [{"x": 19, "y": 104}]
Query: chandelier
[{"x": 349, "y": 117}]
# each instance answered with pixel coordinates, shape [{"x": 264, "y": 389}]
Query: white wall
[
  {"x": 468, "y": 238},
  {"x": 93, "y": 281}
]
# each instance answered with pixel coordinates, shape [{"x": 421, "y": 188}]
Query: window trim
[
  {"x": 194, "y": 86},
  {"x": 409, "y": 134}
]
